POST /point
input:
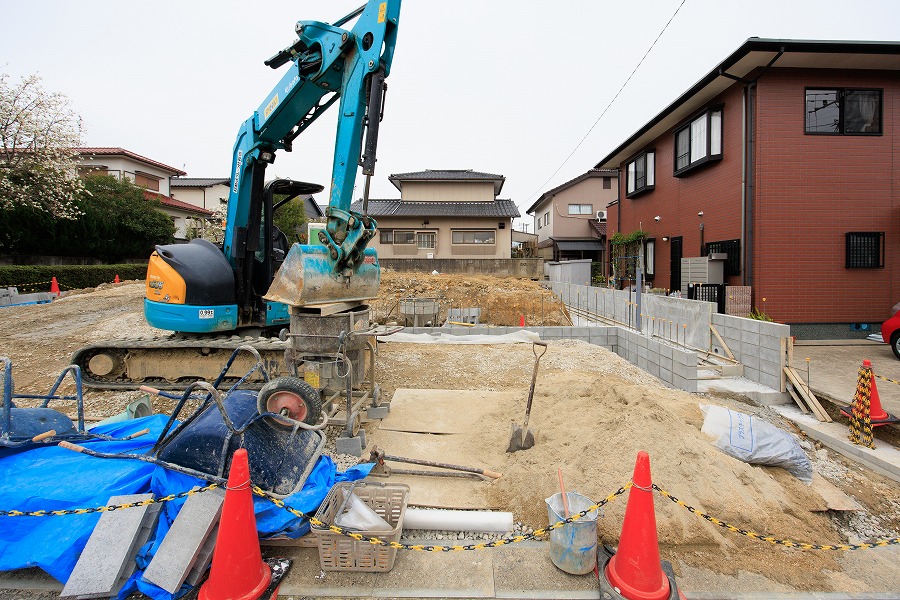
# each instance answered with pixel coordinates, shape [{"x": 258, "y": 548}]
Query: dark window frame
[
  {"x": 386, "y": 236},
  {"x": 410, "y": 232},
  {"x": 864, "y": 250},
  {"x": 733, "y": 249},
  {"x": 646, "y": 187},
  {"x": 841, "y": 92},
  {"x": 709, "y": 157},
  {"x": 474, "y": 232}
]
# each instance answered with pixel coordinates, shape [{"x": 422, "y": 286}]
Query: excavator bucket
[{"x": 307, "y": 277}]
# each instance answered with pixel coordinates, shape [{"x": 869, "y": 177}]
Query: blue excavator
[{"x": 256, "y": 281}]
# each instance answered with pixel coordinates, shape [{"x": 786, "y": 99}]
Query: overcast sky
[{"x": 507, "y": 87}]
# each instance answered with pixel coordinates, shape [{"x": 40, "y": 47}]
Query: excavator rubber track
[{"x": 172, "y": 362}]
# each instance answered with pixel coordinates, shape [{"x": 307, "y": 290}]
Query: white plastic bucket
[{"x": 573, "y": 547}]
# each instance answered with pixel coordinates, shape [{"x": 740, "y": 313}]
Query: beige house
[
  {"x": 570, "y": 219},
  {"x": 444, "y": 214},
  {"x": 209, "y": 193},
  {"x": 149, "y": 174}
]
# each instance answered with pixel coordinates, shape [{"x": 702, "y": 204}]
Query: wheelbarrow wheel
[{"x": 291, "y": 397}]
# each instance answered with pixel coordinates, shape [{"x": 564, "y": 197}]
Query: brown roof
[
  {"x": 129, "y": 154},
  {"x": 173, "y": 203}
]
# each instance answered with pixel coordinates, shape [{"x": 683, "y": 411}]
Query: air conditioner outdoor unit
[{"x": 601, "y": 215}]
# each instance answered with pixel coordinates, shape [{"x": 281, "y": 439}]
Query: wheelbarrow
[{"x": 24, "y": 428}]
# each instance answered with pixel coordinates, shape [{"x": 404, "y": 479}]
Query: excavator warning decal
[
  {"x": 271, "y": 106},
  {"x": 382, "y": 10}
]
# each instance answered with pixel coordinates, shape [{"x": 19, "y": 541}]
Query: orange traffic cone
[
  {"x": 635, "y": 570},
  {"x": 116, "y": 280},
  {"x": 521, "y": 320},
  {"x": 877, "y": 414},
  {"x": 238, "y": 571},
  {"x": 54, "y": 286}
]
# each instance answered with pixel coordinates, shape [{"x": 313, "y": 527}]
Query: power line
[{"x": 572, "y": 153}]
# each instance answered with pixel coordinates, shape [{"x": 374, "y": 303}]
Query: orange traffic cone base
[
  {"x": 636, "y": 570},
  {"x": 877, "y": 414}
]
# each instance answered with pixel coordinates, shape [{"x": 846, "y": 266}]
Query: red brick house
[{"x": 785, "y": 157}]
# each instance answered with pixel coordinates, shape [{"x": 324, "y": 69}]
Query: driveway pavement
[{"x": 833, "y": 369}]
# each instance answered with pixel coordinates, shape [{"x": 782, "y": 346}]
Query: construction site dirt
[{"x": 593, "y": 412}]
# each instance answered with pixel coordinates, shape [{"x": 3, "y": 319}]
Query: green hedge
[{"x": 37, "y": 278}]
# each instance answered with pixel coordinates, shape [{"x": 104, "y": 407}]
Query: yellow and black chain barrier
[
  {"x": 887, "y": 379},
  {"x": 861, "y": 416},
  {"x": 773, "y": 540},
  {"x": 441, "y": 548},
  {"x": 103, "y": 509},
  {"x": 455, "y": 548}
]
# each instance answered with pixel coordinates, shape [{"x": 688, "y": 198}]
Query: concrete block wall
[
  {"x": 674, "y": 366},
  {"x": 756, "y": 344},
  {"x": 619, "y": 306}
]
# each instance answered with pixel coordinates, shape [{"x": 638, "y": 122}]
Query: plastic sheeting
[
  {"x": 439, "y": 337},
  {"x": 52, "y": 478}
]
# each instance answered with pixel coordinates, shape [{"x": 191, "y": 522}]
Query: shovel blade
[{"x": 521, "y": 438}]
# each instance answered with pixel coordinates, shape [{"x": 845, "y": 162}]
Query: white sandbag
[{"x": 756, "y": 442}]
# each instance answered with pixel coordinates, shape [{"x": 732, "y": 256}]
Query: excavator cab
[{"x": 193, "y": 288}]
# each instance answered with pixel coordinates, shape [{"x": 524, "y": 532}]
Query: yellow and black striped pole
[{"x": 861, "y": 417}]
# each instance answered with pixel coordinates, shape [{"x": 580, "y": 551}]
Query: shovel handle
[
  {"x": 43, "y": 436},
  {"x": 537, "y": 360},
  {"x": 71, "y": 446}
]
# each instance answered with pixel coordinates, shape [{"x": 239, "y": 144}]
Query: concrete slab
[
  {"x": 441, "y": 411},
  {"x": 834, "y": 369},
  {"x": 107, "y": 560},
  {"x": 442, "y": 492},
  {"x": 185, "y": 540}
]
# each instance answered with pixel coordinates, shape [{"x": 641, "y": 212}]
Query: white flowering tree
[{"x": 37, "y": 131}]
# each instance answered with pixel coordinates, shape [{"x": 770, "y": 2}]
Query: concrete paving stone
[
  {"x": 107, "y": 560},
  {"x": 179, "y": 550},
  {"x": 523, "y": 571}
]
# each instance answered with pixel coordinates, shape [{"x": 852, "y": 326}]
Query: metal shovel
[{"x": 522, "y": 438}]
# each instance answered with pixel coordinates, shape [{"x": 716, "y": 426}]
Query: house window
[
  {"x": 426, "y": 240},
  {"x": 146, "y": 181},
  {"x": 386, "y": 236},
  {"x": 473, "y": 237},
  {"x": 733, "y": 249},
  {"x": 699, "y": 141},
  {"x": 538, "y": 223},
  {"x": 649, "y": 257},
  {"x": 607, "y": 183},
  {"x": 404, "y": 237},
  {"x": 640, "y": 174},
  {"x": 581, "y": 209},
  {"x": 546, "y": 218},
  {"x": 842, "y": 111},
  {"x": 865, "y": 250}
]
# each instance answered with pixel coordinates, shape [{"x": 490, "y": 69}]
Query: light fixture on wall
[
  {"x": 665, "y": 238},
  {"x": 425, "y": 223},
  {"x": 656, "y": 218},
  {"x": 700, "y": 214}
]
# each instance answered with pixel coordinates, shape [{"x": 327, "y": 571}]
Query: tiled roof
[
  {"x": 129, "y": 154},
  {"x": 173, "y": 203},
  {"x": 198, "y": 181},
  {"x": 398, "y": 208},
  {"x": 447, "y": 175},
  {"x": 598, "y": 226}
]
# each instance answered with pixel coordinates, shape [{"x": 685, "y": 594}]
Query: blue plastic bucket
[{"x": 573, "y": 547}]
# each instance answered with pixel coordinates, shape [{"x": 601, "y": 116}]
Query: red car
[{"x": 890, "y": 333}]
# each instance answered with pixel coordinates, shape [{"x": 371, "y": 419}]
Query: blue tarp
[{"x": 52, "y": 478}]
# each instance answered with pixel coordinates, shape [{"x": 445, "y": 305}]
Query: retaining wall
[
  {"x": 528, "y": 268},
  {"x": 758, "y": 345}
]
